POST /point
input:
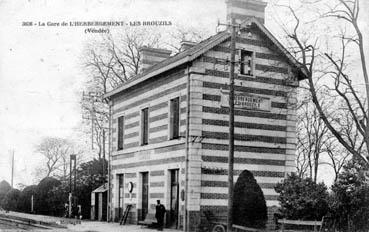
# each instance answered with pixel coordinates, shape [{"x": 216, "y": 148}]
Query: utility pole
[
  {"x": 32, "y": 203},
  {"x": 103, "y": 150},
  {"x": 75, "y": 174},
  {"x": 72, "y": 158},
  {"x": 232, "y": 26},
  {"x": 12, "y": 179},
  {"x": 231, "y": 127}
]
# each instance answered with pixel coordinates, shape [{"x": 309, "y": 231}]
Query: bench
[
  {"x": 214, "y": 224},
  {"x": 238, "y": 228},
  {"x": 149, "y": 221},
  {"x": 301, "y": 223}
]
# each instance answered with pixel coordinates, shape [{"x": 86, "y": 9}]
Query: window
[
  {"x": 120, "y": 132},
  {"x": 174, "y": 118},
  {"x": 145, "y": 126},
  {"x": 120, "y": 194},
  {"x": 246, "y": 62}
]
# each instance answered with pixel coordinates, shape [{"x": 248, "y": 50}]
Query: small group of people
[{"x": 76, "y": 211}]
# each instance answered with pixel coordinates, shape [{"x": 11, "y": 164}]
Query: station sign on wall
[{"x": 245, "y": 101}]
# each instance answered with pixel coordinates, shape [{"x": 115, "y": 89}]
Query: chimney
[
  {"x": 241, "y": 10},
  {"x": 186, "y": 45},
  {"x": 152, "y": 56}
]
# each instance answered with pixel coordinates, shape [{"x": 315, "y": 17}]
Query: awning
[{"x": 101, "y": 189}]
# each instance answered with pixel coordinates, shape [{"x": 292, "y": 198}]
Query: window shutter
[
  {"x": 238, "y": 65},
  {"x": 144, "y": 126},
  {"x": 120, "y": 132},
  {"x": 248, "y": 64},
  {"x": 174, "y": 118}
]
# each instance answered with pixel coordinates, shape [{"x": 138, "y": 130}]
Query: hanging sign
[{"x": 245, "y": 101}]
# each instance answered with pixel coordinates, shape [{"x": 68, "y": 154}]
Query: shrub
[
  {"x": 4, "y": 188},
  {"x": 349, "y": 202},
  {"x": 10, "y": 201},
  {"x": 302, "y": 198},
  {"x": 44, "y": 195},
  {"x": 25, "y": 198},
  {"x": 249, "y": 206}
]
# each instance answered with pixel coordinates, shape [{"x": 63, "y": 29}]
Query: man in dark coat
[{"x": 159, "y": 214}]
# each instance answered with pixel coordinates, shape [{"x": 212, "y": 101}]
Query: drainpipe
[
  {"x": 186, "y": 221},
  {"x": 108, "y": 207}
]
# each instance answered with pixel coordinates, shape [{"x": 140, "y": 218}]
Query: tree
[
  {"x": 312, "y": 137},
  {"x": 338, "y": 157},
  {"x": 56, "y": 152},
  {"x": 58, "y": 196},
  {"x": 4, "y": 188},
  {"x": 44, "y": 196},
  {"x": 112, "y": 61},
  {"x": 183, "y": 33},
  {"x": 25, "y": 198},
  {"x": 335, "y": 64},
  {"x": 249, "y": 207},
  {"x": 316, "y": 146},
  {"x": 109, "y": 63},
  {"x": 90, "y": 177},
  {"x": 302, "y": 198},
  {"x": 349, "y": 202},
  {"x": 10, "y": 201}
]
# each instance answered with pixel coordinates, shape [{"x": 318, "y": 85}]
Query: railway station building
[{"x": 170, "y": 123}]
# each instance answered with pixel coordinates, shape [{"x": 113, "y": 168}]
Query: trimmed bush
[
  {"x": 10, "y": 201},
  {"x": 249, "y": 206}
]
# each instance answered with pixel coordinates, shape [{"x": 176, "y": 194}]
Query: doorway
[
  {"x": 120, "y": 195},
  {"x": 174, "y": 198},
  {"x": 145, "y": 195}
]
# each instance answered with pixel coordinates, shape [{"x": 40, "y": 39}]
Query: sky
[{"x": 41, "y": 76}]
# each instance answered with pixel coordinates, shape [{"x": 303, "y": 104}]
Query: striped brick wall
[
  {"x": 243, "y": 9},
  {"x": 156, "y": 98},
  {"x": 264, "y": 140},
  {"x": 161, "y": 154}
]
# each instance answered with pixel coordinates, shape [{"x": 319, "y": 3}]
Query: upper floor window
[
  {"x": 174, "y": 118},
  {"x": 144, "y": 126},
  {"x": 120, "y": 132},
  {"x": 246, "y": 62}
]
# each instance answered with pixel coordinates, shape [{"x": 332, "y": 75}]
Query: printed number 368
[{"x": 27, "y": 23}]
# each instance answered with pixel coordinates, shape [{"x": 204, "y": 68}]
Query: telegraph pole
[
  {"x": 72, "y": 158},
  {"x": 232, "y": 26},
  {"x": 103, "y": 150},
  {"x": 231, "y": 126},
  {"x": 32, "y": 203},
  {"x": 12, "y": 179}
]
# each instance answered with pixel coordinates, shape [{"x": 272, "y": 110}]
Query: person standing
[
  {"x": 66, "y": 210},
  {"x": 159, "y": 214}
]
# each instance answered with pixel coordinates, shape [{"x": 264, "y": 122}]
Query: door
[
  {"x": 120, "y": 195},
  {"x": 96, "y": 206},
  {"x": 174, "y": 198},
  {"x": 145, "y": 194},
  {"x": 100, "y": 218}
]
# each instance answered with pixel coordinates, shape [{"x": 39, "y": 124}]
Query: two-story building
[{"x": 170, "y": 123}]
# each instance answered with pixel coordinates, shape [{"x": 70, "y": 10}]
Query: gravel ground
[{"x": 85, "y": 226}]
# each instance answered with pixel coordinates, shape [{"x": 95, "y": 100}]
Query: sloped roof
[
  {"x": 101, "y": 189},
  {"x": 196, "y": 51}
]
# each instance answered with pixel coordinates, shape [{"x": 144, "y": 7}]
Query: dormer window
[{"x": 246, "y": 59}]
